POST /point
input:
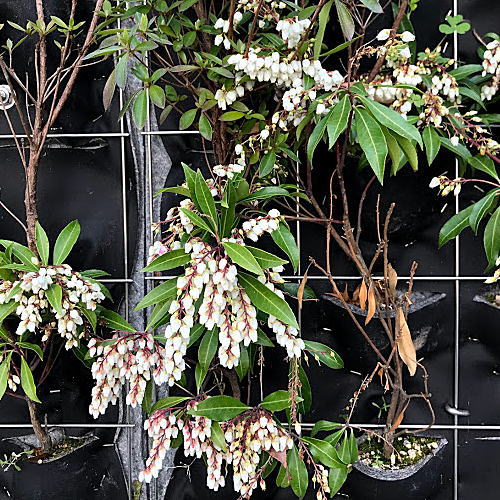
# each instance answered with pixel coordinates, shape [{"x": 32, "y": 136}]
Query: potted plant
[{"x": 260, "y": 94}]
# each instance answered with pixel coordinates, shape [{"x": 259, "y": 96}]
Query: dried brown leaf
[
  {"x": 399, "y": 419},
  {"x": 372, "y": 303},
  {"x": 406, "y": 348},
  {"x": 345, "y": 293},
  {"x": 280, "y": 456},
  {"x": 392, "y": 276},
  {"x": 300, "y": 291},
  {"x": 362, "y": 295}
]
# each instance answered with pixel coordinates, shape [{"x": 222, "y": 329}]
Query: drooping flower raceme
[{"x": 30, "y": 291}]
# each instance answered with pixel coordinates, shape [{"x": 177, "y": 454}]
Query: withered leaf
[
  {"x": 406, "y": 348},
  {"x": 280, "y": 456},
  {"x": 372, "y": 302},
  {"x": 345, "y": 293},
  {"x": 392, "y": 276},
  {"x": 300, "y": 291},
  {"x": 362, "y": 295},
  {"x": 399, "y": 419}
]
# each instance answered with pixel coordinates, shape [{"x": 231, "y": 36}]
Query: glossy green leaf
[
  {"x": 205, "y": 127},
  {"x": 140, "y": 109},
  {"x": 336, "y": 479},
  {"x": 205, "y": 198},
  {"x": 162, "y": 292},
  {"x": 285, "y": 240},
  {"x": 168, "y": 402},
  {"x": 316, "y": 136},
  {"x": 27, "y": 382},
  {"x": 42, "y": 243},
  {"x": 187, "y": 119},
  {"x": 324, "y": 425},
  {"x": 459, "y": 149},
  {"x": 230, "y": 116},
  {"x": 392, "y": 120},
  {"x": 7, "y": 309},
  {"x": 159, "y": 315},
  {"x": 432, "y": 143},
  {"x": 241, "y": 256},
  {"x": 265, "y": 193},
  {"x": 409, "y": 151},
  {"x": 157, "y": 96},
  {"x": 4, "y": 374},
  {"x": 65, "y": 242},
  {"x": 197, "y": 220},
  {"x": 373, "y": 5},
  {"x": 276, "y": 401},
  {"x": 208, "y": 348},
  {"x": 195, "y": 333},
  {"x": 243, "y": 365},
  {"x": 217, "y": 436},
  {"x": 115, "y": 322},
  {"x": 482, "y": 207},
  {"x": 455, "y": 225},
  {"x": 305, "y": 392},
  {"x": 265, "y": 259},
  {"x": 266, "y": 300},
  {"x": 54, "y": 296},
  {"x": 168, "y": 261},
  {"x": 323, "y": 18},
  {"x": 485, "y": 164},
  {"x": 263, "y": 339},
  {"x": 338, "y": 119},
  {"x": 267, "y": 164},
  {"x": 372, "y": 142},
  {"x": 298, "y": 472},
  {"x": 324, "y": 354},
  {"x": 199, "y": 375},
  {"x": 492, "y": 238},
  {"x": 219, "y": 408},
  {"x": 323, "y": 452},
  {"x": 24, "y": 254}
]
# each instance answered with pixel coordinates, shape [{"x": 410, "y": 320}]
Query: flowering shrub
[
  {"x": 255, "y": 80},
  {"x": 40, "y": 300}
]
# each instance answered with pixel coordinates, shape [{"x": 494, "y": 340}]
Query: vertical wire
[{"x": 456, "y": 398}]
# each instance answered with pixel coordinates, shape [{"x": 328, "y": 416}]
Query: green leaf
[
  {"x": 197, "y": 220},
  {"x": 373, "y": 5},
  {"x": 168, "y": 402},
  {"x": 304, "y": 392},
  {"x": 324, "y": 425},
  {"x": 147, "y": 401},
  {"x": 196, "y": 333},
  {"x": 219, "y": 408},
  {"x": 266, "y": 300},
  {"x": 277, "y": 401},
  {"x": 323, "y": 451},
  {"x": 324, "y": 354},
  {"x": 316, "y": 135},
  {"x": 208, "y": 348},
  {"x": 263, "y": 339},
  {"x": 353, "y": 448},
  {"x": 345, "y": 19},
  {"x": 323, "y": 18},
  {"x": 217, "y": 436},
  {"x": 187, "y": 119},
  {"x": 242, "y": 256},
  {"x": 162, "y": 292},
  {"x": 176, "y": 190},
  {"x": 27, "y": 382},
  {"x": 466, "y": 70},
  {"x": 157, "y": 95},
  {"x": 205, "y": 127},
  {"x": 492, "y": 238},
  {"x": 459, "y": 149},
  {"x": 282, "y": 479},
  {"x": 159, "y": 316},
  {"x": 115, "y": 322},
  {"x": 336, "y": 479},
  {"x": 42, "y": 243},
  {"x": 24, "y": 254},
  {"x": 168, "y": 261},
  {"x": 372, "y": 142},
  {"x": 482, "y": 207},
  {"x": 54, "y": 296},
  {"x": 397, "y": 156},
  {"x": 265, "y": 193},
  {"x": 432, "y": 143},
  {"x": 454, "y": 226},
  {"x": 267, "y": 164},
  {"x": 265, "y": 259},
  {"x": 65, "y": 242},
  {"x": 4, "y": 374},
  {"x": 338, "y": 119},
  {"x": 199, "y": 375},
  {"x": 231, "y": 116},
  {"x": 409, "y": 151},
  {"x": 205, "y": 198},
  {"x": 485, "y": 164},
  {"x": 285, "y": 240},
  {"x": 7, "y": 309},
  {"x": 140, "y": 109},
  {"x": 243, "y": 365},
  {"x": 298, "y": 472},
  {"x": 91, "y": 316},
  {"x": 392, "y": 120}
]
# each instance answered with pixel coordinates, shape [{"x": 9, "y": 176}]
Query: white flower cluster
[
  {"x": 320, "y": 478},
  {"x": 247, "y": 437},
  {"x": 434, "y": 109},
  {"x": 229, "y": 170},
  {"x": 292, "y": 29},
  {"x": 12, "y": 379},
  {"x": 446, "y": 85},
  {"x": 135, "y": 357},
  {"x": 223, "y": 24},
  {"x": 446, "y": 186},
  {"x": 491, "y": 66},
  {"x": 254, "y": 228},
  {"x": 30, "y": 292}
]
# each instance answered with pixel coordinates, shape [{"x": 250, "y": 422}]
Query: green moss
[{"x": 408, "y": 450}]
